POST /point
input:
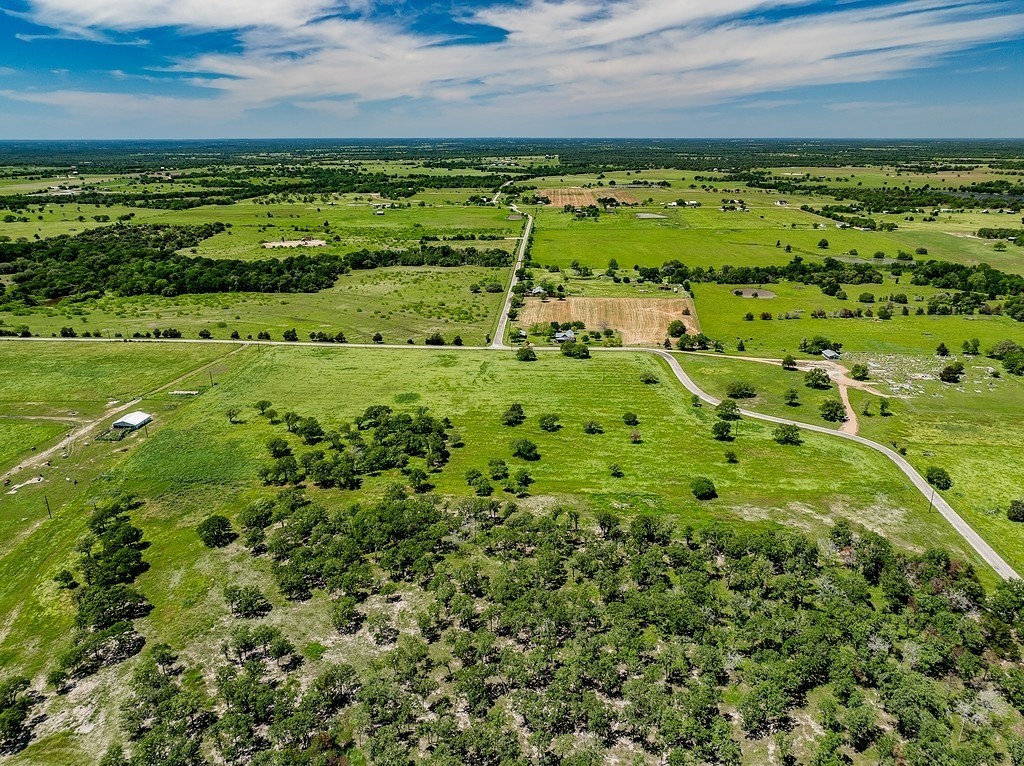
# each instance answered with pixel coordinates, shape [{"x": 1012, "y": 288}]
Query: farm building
[
  {"x": 563, "y": 337},
  {"x": 538, "y": 290},
  {"x": 133, "y": 421},
  {"x": 831, "y": 355}
]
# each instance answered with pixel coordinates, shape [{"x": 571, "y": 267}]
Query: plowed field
[
  {"x": 642, "y": 321},
  {"x": 582, "y": 197}
]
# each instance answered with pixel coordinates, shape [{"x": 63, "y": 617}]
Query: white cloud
[{"x": 559, "y": 59}]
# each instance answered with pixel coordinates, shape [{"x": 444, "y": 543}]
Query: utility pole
[{"x": 47, "y": 501}]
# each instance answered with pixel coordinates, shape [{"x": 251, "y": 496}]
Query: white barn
[{"x": 133, "y": 420}]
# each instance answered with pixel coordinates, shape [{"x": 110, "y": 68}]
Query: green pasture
[
  {"x": 770, "y": 381},
  {"x": 975, "y": 430},
  {"x": 20, "y": 437},
  {"x": 400, "y": 303},
  {"x": 349, "y": 218},
  {"x": 722, "y": 313},
  {"x": 70, "y": 378}
]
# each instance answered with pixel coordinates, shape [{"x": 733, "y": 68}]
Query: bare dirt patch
[
  {"x": 751, "y": 292},
  {"x": 579, "y": 197},
  {"x": 642, "y": 321}
]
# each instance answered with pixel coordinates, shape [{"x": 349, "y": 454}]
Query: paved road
[
  {"x": 964, "y": 529},
  {"x": 499, "y": 334}
]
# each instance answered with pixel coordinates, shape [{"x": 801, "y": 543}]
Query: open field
[
  {"x": 20, "y": 436},
  {"x": 641, "y": 321},
  {"x": 770, "y": 382},
  {"x": 84, "y": 379},
  {"x": 721, "y": 315},
  {"x": 399, "y": 303},
  {"x": 974, "y": 429}
]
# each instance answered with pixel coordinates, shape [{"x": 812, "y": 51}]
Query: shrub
[
  {"x": 787, "y": 434},
  {"x": 526, "y": 354},
  {"x": 278, "y": 447},
  {"x": 817, "y": 378},
  {"x": 434, "y": 339},
  {"x": 740, "y": 390},
  {"x": 789, "y": 362},
  {"x": 1016, "y": 510},
  {"x": 941, "y": 350},
  {"x": 792, "y": 397},
  {"x": 636, "y": 437},
  {"x": 833, "y": 411},
  {"x": 615, "y": 470},
  {"x": 866, "y": 298},
  {"x": 575, "y": 350},
  {"x": 497, "y": 469},
  {"x": 859, "y": 372},
  {"x": 730, "y": 456},
  {"x": 630, "y": 419},
  {"x": 549, "y": 422},
  {"x": 952, "y": 373},
  {"x": 703, "y": 488},
  {"x": 514, "y": 415},
  {"x": 722, "y": 430},
  {"x": 727, "y": 410},
  {"x": 649, "y": 379},
  {"x": 525, "y": 450},
  {"x": 823, "y": 244},
  {"x": 215, "y": 531},
  {"x": 938, "y": 477},
  {"x": 592, "y": 427},
  {"x": 676, "y": 328}
]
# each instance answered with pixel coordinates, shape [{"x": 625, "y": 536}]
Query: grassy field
[
  {"x": 21, "y": 436},
  {"x": 195, "y": 462},
  {"x": 770, "y": 382},
  {"x": 399, "y": 303},
  {"x": 347, "y": 222},
  {"x": 722, "y": 313},
  {"x": 86, "y": 378},
  {"x": 975, "y": 430}
]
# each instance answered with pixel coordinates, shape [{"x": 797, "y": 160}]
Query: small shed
[
  {"x": 133, "y": 421},
  {"x": 831, "y": 355}
]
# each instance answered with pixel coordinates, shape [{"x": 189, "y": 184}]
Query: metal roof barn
[{"x": 133, "y": 420}]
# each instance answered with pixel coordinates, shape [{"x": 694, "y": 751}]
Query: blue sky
[{"x": 398, "y": 68}]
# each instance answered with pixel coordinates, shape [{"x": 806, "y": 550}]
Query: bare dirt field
[
  {"x": 578, "y": 197},
  {"x": 642, "y": 321},
  {"x": 754, "y": 292}
]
